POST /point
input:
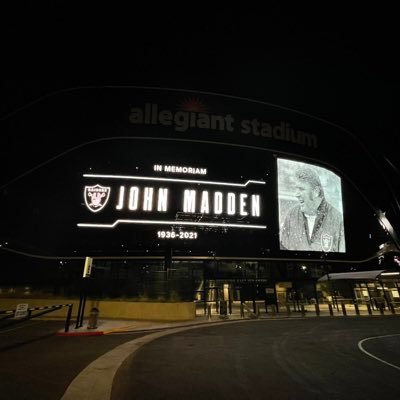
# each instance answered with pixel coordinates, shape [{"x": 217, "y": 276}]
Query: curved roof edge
[{"x": 361, "y": 275}]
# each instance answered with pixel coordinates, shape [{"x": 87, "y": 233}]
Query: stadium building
[{"x": 195, "y": 197}]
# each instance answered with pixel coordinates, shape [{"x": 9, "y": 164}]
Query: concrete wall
[{"x": 152, "y": 311}]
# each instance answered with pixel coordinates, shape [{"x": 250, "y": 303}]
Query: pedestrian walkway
[{"x": 110, "y": 326}]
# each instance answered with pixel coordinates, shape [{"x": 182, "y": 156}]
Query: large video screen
[
  {"x": 175, "y": 206},
  {"x": 149, "y": 197},
  {"x": 310, "y": 208},
  {"x": 196, "y": 200}
]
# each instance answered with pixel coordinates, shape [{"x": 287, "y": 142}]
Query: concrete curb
[
  {"x": 94, "y": 333},
  {"x": 95, "y": 381}
]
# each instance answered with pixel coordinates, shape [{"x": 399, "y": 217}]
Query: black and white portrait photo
[{"x": 310, "y": 208}]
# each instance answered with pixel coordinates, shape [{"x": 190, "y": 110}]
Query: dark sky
[
  {"x": 336, "y": 63},
  {"x": 339, "y": 64}
]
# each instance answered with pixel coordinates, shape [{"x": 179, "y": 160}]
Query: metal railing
[
  {"x": 31, "y": 313},
  {"x": 343, "y": 307}
]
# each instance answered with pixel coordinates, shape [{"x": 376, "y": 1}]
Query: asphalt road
[
  {"x": 312, "y": 358},
  {"x": 287, "y": 359},
  {"x": 36, "y": 364}
]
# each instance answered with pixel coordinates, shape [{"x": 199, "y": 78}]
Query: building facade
[{"x": 181, "y": 195}]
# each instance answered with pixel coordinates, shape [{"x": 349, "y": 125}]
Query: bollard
[
  {"x": 68, "y": 319},
  {"x": 258, "y": 310},
  {"x": 381, "y": 309},
  {"x": 369, "y": 309},
  {"x": 223, "y": 310},
  {"x": 344, "y": 309},
  {"x": 330, "y": 309},
  {"x": 356, "y": 308},
  {"x": 317, "y": 310},
  {"x": 288, "y": 309},
  {"x": 303, "y": 311},
  {"x": 209, "y": 311},
  {"x": 94, "y": 314},
  {"x": 241, "y": 310}
]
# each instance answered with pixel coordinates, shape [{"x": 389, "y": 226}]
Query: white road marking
[{"x": 360, "y": 343}]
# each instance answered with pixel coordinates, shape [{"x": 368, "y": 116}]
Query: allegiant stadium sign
[{"x": 183, "y": 120}]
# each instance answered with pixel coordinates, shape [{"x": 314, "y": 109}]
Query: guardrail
[{"x": 30, "y": 313}]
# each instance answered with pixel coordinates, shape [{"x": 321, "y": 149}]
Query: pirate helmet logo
[
  {"x": 326, "y": 242},
  {"x": 96, "y": 197}
]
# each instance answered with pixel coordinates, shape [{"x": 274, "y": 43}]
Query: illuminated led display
[
  {"x": 96, "y": 197},
  {"x": 241, "y": 204},
  {"x": 310, "y": 208}
]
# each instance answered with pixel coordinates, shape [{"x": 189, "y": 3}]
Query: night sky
[{"x": 339, "y": 65}]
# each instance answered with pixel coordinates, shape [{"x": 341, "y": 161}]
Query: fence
[
  {"x": 259, "y": 309},
  {"x": 20, "y": 315}
]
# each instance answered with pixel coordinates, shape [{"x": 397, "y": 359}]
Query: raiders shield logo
[
  {"x": 96, "y": 197},
  {"x": 326, "y": 242}
]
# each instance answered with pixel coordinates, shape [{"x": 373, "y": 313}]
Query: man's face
[{"x": 307, "y": 197}]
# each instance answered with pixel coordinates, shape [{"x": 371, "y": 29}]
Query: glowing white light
[
  {"x": 149, "y": 178},
  {"x": 162, "y": 200},
  {"x": 121, "y": 198},
  {"x": 242, "y": 203},
  {"x": 231, "y": 204},
  {"x": 159, "y": 222},
  {"x": 189, "y": 201},
  {"x": 133, "y": 197},
  {"x": 205, "y": 203},
  {"x": 148, "y": 198},
  {"x": 217, "y": 203},
  {"x": 255, "y": 205}
]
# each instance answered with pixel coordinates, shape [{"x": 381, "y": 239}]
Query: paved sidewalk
[{"x": 108, "y": 326}]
